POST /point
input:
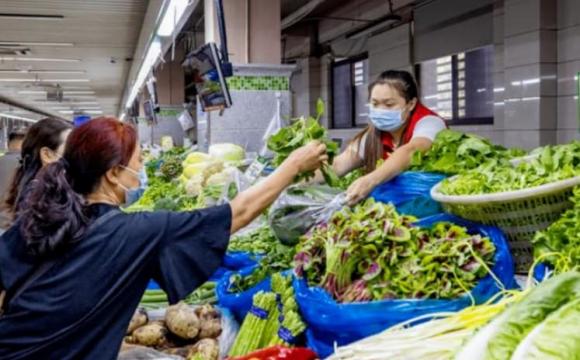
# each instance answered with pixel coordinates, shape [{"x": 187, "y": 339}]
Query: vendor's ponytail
[{"x": 53, "y": 215}]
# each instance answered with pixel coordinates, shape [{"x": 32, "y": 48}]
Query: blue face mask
[
  {"x": 133, "y": 194},
  {"x": 386, "y": 120}
]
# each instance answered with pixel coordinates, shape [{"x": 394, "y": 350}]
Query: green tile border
[{"x": 267, "y": 83}]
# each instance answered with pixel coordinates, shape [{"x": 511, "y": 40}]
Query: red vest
[{"x": 387, "y": 139}]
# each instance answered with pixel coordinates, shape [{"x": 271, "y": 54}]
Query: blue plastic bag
[
  {"x": 239, "y": 303},
  {"x": 410, "y": 193},
  {"x": 542, "y": 271},
  {"x": 329, "y": 321}
]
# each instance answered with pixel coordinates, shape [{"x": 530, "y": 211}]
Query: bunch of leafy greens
[
  {"x": 501, "y": 338},
  {"x": 301, "y": 132},
  {"x": 277, "y": 260},
  {"x": 161, "y": 195},
  {"x": 549, "y": 164},
  {"x": 370, "y": 252},
  {"x": 258, "y": 241},
  {"x": 453, "y": 152},
  {"x": 559, "y": 244}
]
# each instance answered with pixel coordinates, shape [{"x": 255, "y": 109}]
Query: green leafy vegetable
[
  {"x": 552, "y": 163},
  {"x": 370, "y": 252},
  {"x": 258, "y": 241},
  {"x": 301, "y": 132},
  {"x": 453, "y": 152},
  {"x": 499, "y": 339}
]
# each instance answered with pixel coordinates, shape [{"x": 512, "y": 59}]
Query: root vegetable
[
  {"x": 211, "y": 326},
  {"x": 139, "y": 319},
  {"x": 182, "y": 321},
  {"x": 205, "y": 349},
  {"x": 153, "y": 334}
]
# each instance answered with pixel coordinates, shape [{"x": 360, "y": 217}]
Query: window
[
  {"x": 350, "y": 81},
  {"x": 460, "y": 87}
]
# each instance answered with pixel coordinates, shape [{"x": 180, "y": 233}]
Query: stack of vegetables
[
  {"x": 185, "y": 331},
  {"x": 258, "y": 241},
  {"x": 559, "y": 244},
  {"x": 301, "y": 132},
  {"x": 550, "y": 164},
  {"x": 203, "y": 295},
  {"x": 272, "y": 320},
  {"x": 370, "y": 252},
  {"x": 453, "y": 152}
]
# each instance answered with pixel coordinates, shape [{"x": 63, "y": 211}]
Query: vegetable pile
[
  {"x": 258, "y": 241},
  {"x": 543, "y": 325},
  {"x": 272, "y": 320},
  {"x": 559, "y": 244},
  {"x": 185, "y": 331},
  {"x": 278, "y": 259},
  {"x": 301, "y": 132},
  {"x": 550, "y": 164},
  {"x": 453, "y": 152},
  {"x": 370, "y": 252},
  {"x": 203, "y": 295}
]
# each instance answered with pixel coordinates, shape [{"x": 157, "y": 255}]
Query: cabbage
[
  {"x": 556, "y": 338},
  {"x": 196, "y": 157},
  {"x": 499, "y": 339},
  {"x": 230, "y": 153},
  {"x": 204, "y": 169},
  {"x": 224, "y": 177}
]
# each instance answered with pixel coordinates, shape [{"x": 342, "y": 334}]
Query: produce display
[
  {"x": 543, "y": 325},
  {"x": 258, "y": 241},
  {"x": 276, "y": 260},
  {"x": 559, "y": 244},
  {"x": 550, "y": 164},
  {"x": 453, "y": 152},
  {"x": 203, "y": 295},
  {"x": 301, "y": 132},
  {"x": 185, "y": 331},
  {"x": 437, "y": 339},
  {"x": 272, "y": 320},
  {"x": 370, "y": 252}
]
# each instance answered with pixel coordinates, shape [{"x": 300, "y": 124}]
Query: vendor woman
[
  {"x": 74, "y": 267},
  {"x": 399, "y": 125}
]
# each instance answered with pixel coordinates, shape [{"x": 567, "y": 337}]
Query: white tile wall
[
  {"x": 529, "y": 139},
  {"x": 530, "y": 48},
  {"x": 567, "y": 135},
  {"x": 568, "y": 13},
  {"x": 567, "y": 112},
  {"x": 529, "y": 15},
  {"x": 531, "y": 80},
  {"x": 569, "y": 44},
  {"x": 548, "y": 112},
  {"x": 567, "y": 72}
]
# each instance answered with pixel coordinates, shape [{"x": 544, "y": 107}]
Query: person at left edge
[
  {"x": 8, "y": 164},
  {"x": 100, "y": 259}
]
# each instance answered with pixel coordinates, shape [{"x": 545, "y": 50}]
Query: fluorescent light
[
  {"x": 499, "y": 89},
  {"x": 9, "y": 58},
  {"x": 152, "y": 54},
  {"x": 34, "y": 43},
  {"x": 122, "y": 118},
  {"x": 171, "y": 17},
  {"x": 10, "y": 116},
  {"x": 32, "y": 92},
  {"x": 90, "y": 112},
  {"x": 24, "y": 71},
  {"x": 30, "y": 16},
  {"x": 79, "y": 92},
  {"x": 44, "y": 80}
]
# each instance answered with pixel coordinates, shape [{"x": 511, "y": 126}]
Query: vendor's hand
[
  {"x": 359, "y": 190},
  {"x": 309, "y": 157}
]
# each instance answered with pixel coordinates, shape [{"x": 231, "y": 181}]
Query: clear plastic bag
[{"x": 301, "y": 207}]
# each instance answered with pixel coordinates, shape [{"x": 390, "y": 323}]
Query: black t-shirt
[{"x": 80, "y": 308}]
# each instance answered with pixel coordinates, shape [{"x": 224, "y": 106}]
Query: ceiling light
[
  {"x": 79, "y": 92},
  {"x": 153, "y": 53},
  {"x": 9, "y": 58},
  {"x": 171, "y": 17},
  {"x": 31, "y": 16},
  {"x": 91, "y": 112},
  {"x": 24, "y": 71},
  {"x": 10, "y": 116},
  {"x": 44, "y": 80},
  {"x": 32, "y": 92},
  {"x": 34, "y": 43}
]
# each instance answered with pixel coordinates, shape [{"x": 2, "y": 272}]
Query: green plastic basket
[{"x": 519, "y": 214}]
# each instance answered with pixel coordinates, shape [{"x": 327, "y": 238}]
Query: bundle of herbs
[
  {"x": 370, "y": 252},
  {"x": 258, "y": 241},
  {"x": 302, "y": 131}
]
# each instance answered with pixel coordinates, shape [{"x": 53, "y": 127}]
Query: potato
[
  {"x": 153, "y": 334},
  {"x": 205, "y": 349},
  {"x": 139, "y": 319},
  {"x": 182, "y": 321},
  {"x": 211, "y": 324},
  {"x": 181, "y": 351}
]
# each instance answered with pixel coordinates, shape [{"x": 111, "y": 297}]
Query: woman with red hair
[{"x": 74, "y": 267}]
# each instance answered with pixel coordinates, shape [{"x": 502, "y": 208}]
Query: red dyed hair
[{"x": 94, "y": 148}]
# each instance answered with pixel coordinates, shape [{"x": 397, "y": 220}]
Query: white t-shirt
[{"x": 428, "y": 127}]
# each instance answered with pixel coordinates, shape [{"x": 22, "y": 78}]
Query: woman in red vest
[{"x": 399, "y": 126}]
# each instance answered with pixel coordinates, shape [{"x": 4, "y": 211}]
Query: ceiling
[{"x": 86, "y": 49}]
